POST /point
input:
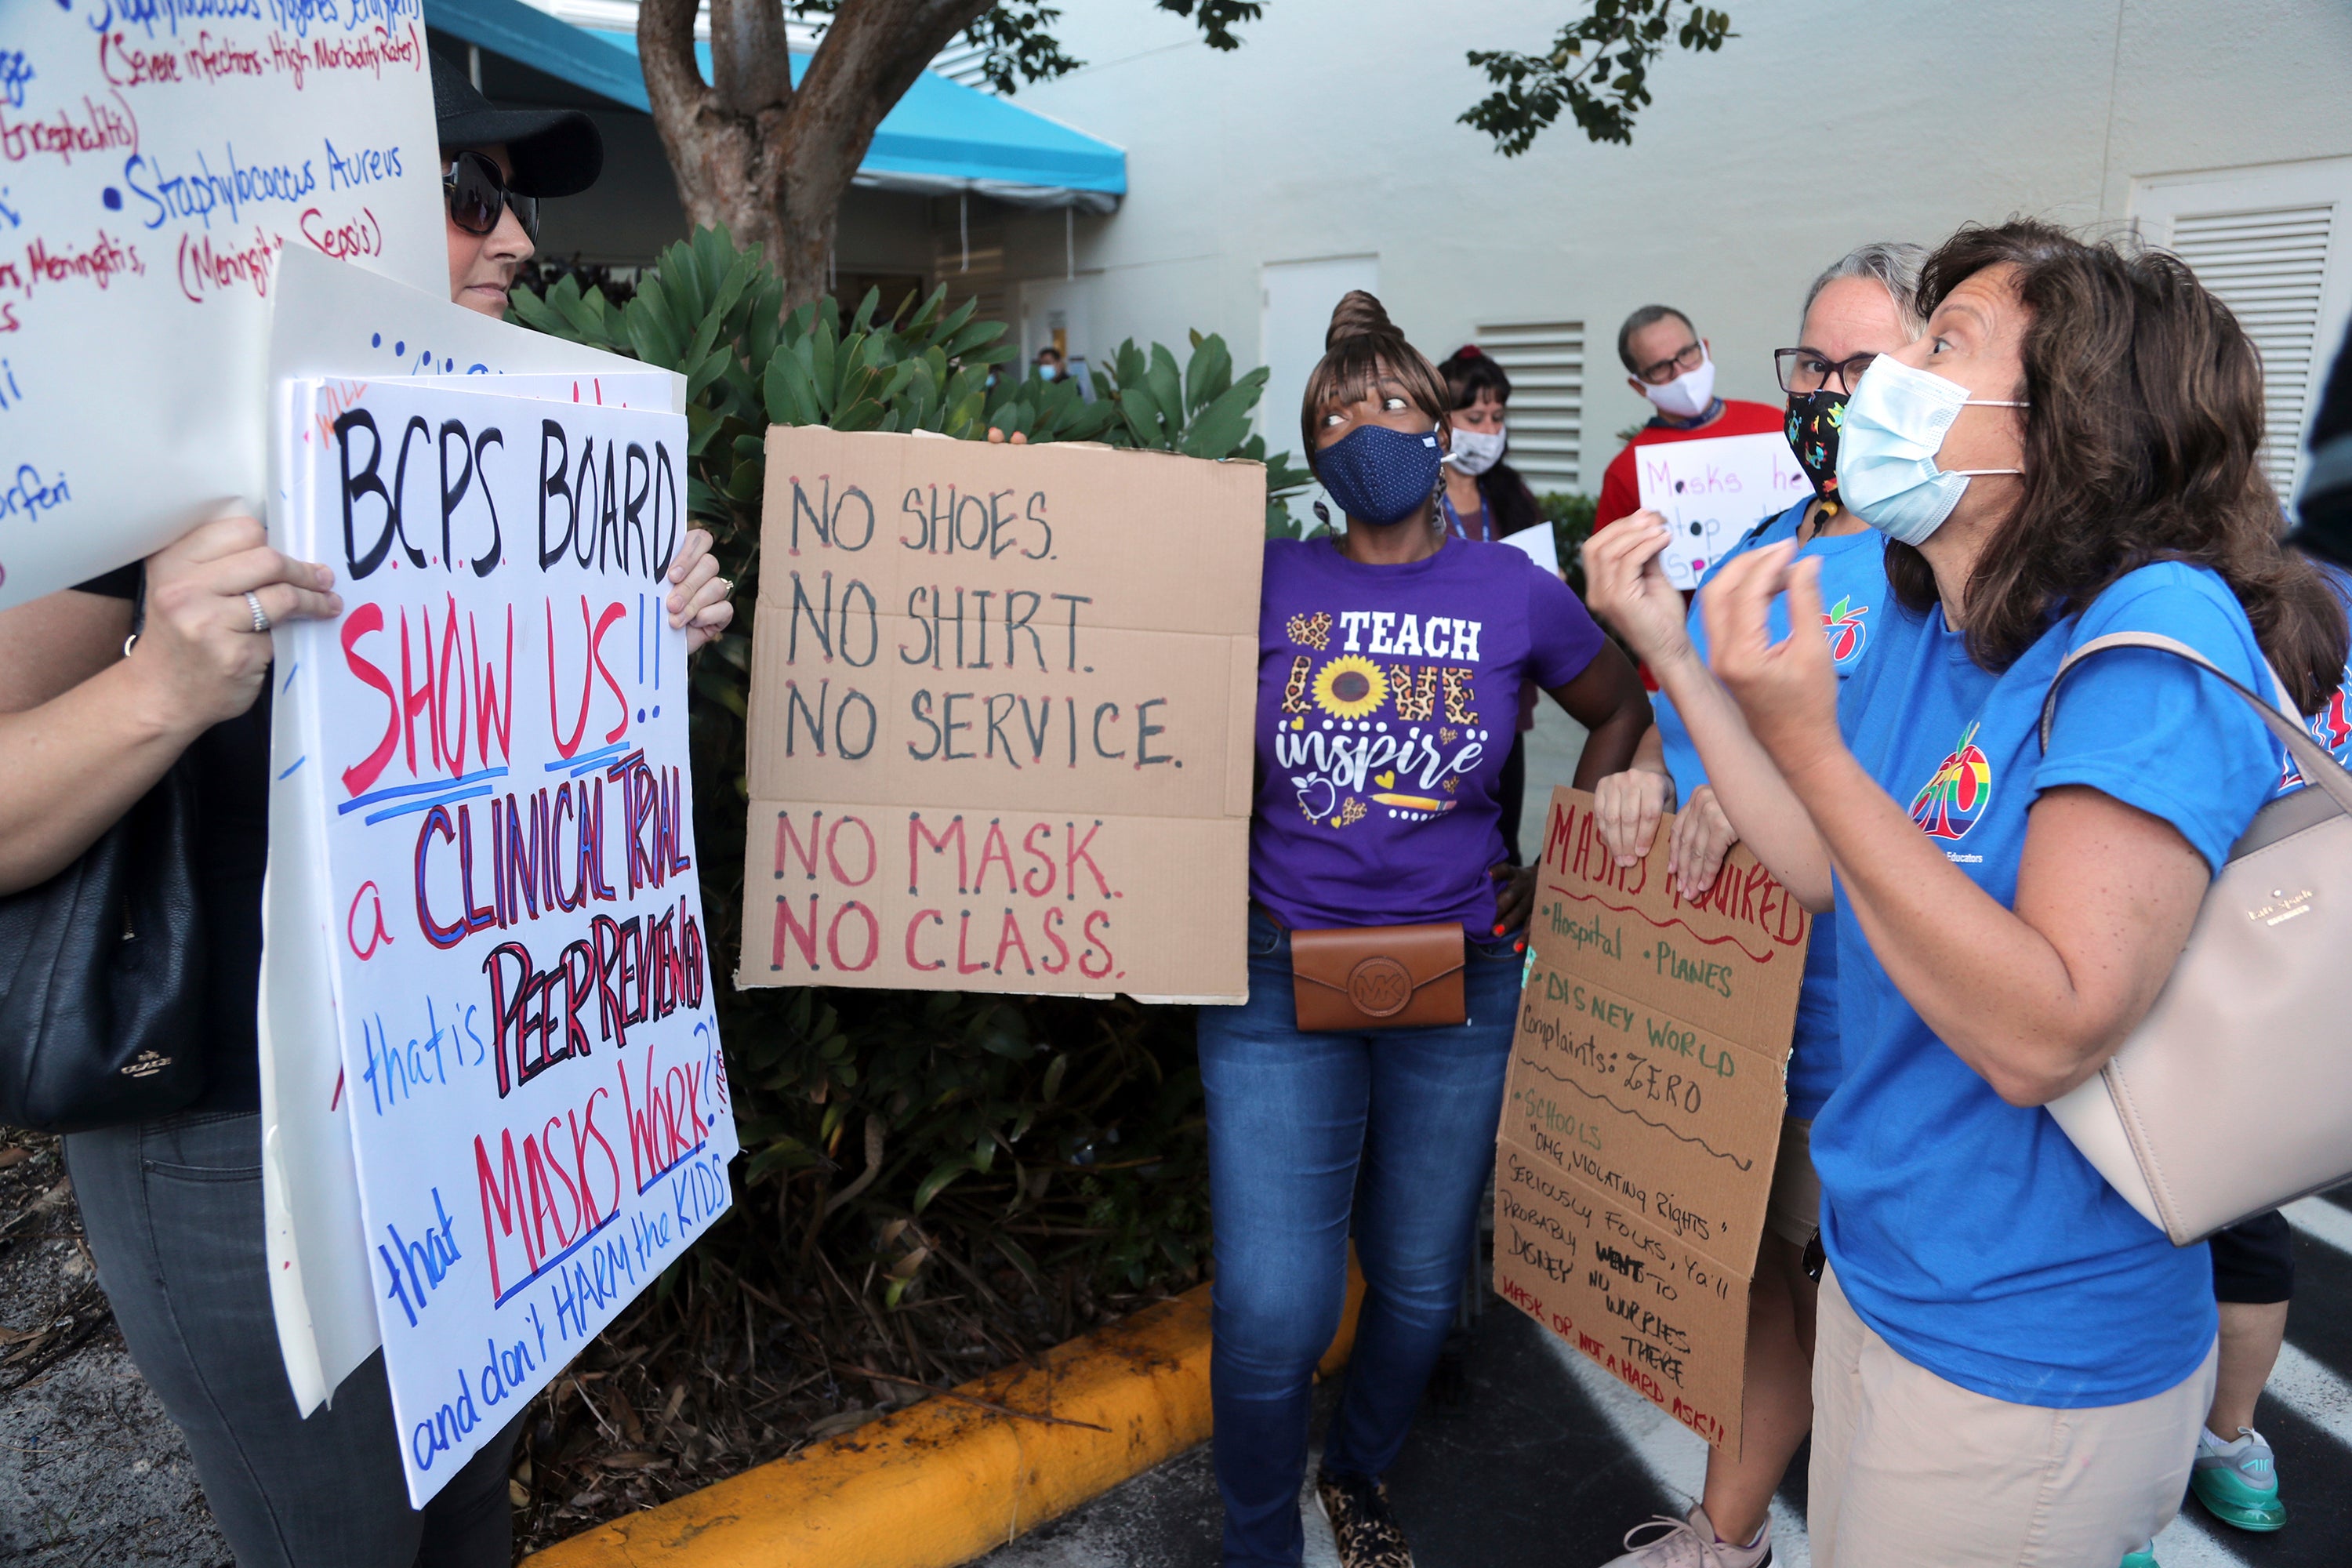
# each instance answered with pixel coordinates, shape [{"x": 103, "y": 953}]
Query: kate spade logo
[{"x": 2282, "y": 906}]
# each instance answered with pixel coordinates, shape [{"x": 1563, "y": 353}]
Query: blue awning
[{"x": 942, "y": 138}]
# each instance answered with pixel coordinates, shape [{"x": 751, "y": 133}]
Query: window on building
[
  {"x": 2275, "y": 243},
  {"x": 1545, "y": 361}
]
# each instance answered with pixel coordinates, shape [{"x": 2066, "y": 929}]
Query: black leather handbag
[
  {"x": 103, "y": 978},
  {"x": 102, "y": 973}
]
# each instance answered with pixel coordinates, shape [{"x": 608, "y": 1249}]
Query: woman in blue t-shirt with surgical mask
[{"x": 2011, "y": 1365}]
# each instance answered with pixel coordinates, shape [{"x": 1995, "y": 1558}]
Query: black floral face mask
[{"x": 1814, "y": 423}]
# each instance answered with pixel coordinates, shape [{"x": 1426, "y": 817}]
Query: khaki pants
[{"x": 1908, "y": 1469}]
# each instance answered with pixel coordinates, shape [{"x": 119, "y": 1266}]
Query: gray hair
[{"x": 1894, "y": 263}]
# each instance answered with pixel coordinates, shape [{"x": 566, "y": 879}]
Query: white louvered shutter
[
  {"x": 2271, "y": 243},
  {"x": 1545, "y": 361}
]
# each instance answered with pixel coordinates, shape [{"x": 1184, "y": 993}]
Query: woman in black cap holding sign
[{"x": 173, "y": 1207}]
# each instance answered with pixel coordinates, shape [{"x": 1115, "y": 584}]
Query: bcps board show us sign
[
  {"x": 1001, "y": 709},
  {"x": 495, "y": 734},
  {"x": 156, "y": 158},
  {"x": 1642, "y": 1115}
]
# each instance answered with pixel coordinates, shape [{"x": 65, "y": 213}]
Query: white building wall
[{"x": 1332, "y": 133}]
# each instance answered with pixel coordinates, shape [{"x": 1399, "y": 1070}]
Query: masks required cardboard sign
[
  {"x": 1642, "y": 1117},
  {"x": 492, "y": 757},
  {"x": 1712, "y": 491},
  {"x": 1001, "y": 718},
  {"x": 155, "y": 161}
]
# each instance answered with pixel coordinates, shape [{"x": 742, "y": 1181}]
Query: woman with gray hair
[{"x": 1862, "y": 306}]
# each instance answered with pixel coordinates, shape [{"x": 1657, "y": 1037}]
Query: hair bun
[
  {"x": 1358, "y": 315},
  {"x": 1469, "y": 351}
]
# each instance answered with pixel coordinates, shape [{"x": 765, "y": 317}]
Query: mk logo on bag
[
  {"x": 146, "y": 1064},
  {"x": 1379, "y": 986}
]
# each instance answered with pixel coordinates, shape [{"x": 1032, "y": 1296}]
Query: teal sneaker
[
  {"x": 2238, "y": 1482},
  {"x": 2144, "y": 1558}
]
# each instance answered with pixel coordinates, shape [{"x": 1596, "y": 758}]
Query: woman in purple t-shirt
[{"x": 1389, "y": 664}]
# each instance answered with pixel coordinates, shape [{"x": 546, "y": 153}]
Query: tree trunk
[{"x": 765, "y": 159}]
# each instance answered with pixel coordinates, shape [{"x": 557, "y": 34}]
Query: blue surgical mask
[
  {"x": 1048, "y": 371},
  {"x": 1895, "y": 423},
  {"x": 1379, "y": 475}
]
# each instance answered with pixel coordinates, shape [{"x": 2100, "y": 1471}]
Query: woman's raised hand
[
  {"x": 1788, "y": 690},
  {"x": 199, "y": 647},
  {"x": 698, "y": 600},
  {"x": 1627, "y": 807},
  {"x": 1625, "y": 584}
]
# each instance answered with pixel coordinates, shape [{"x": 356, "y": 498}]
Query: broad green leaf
[
  {"x": 1220, "y": 428},
  {"x": 979, "y": 335},
  {"x": 1142, "y": 418},
  {"x": 1167, "y": 386},
  {"x": 1209, "y": 374},
  {"x": 945, "y": 1172},
  {"x": 714, "y": 365}
]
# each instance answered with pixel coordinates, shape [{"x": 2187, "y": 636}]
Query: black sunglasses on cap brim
[{"x": 476, "y": 191}]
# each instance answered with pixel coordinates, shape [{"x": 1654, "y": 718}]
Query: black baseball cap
[{"x": 555, "y": 151}]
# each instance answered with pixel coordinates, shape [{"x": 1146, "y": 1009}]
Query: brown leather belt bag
[{"x": 1377, "y": 977}]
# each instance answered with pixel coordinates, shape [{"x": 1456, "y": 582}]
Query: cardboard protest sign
[
  {"x": 341, "y": 322},
  {"x": 154, "y": 162},
  {"x": 1001, "y": 709},
  {"x": 1642, "y": 1118},
  {"x": 493, "y": 754},
  {"x": 1712, "y": 491}
]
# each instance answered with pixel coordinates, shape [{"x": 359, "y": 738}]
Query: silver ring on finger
[{"x": 261, "y": 616}]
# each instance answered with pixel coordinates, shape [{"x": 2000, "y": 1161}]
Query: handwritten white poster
[
  {"x": 494, "y": 741},
  {"x": 346, "y": 326},
  {"x": 156, "y": 156},
  {"x": 1712, "y": 491}
]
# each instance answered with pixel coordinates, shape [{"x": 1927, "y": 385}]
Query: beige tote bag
[{"x": 2235, "y": 1095}]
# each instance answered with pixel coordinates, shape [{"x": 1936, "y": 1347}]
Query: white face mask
[
  {"x": 1475, "y": 451},
  {"x": 1689, "y": 394},
  {"x": 1895, "y": 423},
  {"x": 1048, "y": 371}
]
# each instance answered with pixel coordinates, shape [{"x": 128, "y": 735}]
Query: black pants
[{"x": 2254, "y": 1260}]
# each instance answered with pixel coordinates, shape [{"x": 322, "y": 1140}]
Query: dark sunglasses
[{"x": 476, "y": 191}]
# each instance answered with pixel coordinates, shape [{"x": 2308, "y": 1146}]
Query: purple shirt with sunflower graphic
[
  {"x": 1387, "y": 697},
  {"x": 1969, "y": 1232}
]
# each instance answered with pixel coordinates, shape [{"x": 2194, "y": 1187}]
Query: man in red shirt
[{"x": 1670, "y": 365}]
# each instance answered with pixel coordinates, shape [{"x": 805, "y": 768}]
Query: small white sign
[
  {"x": 1540, "y": 544},
  {"x": 1712, "y": 491}
]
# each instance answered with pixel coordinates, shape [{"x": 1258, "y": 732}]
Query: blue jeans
[{"x": 1293, "y": 1120}]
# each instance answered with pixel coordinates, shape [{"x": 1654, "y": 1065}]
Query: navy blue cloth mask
[{"x": 1379, "y": 475}]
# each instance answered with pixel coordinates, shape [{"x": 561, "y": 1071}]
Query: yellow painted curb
[{"x": 944, "y": 1481}]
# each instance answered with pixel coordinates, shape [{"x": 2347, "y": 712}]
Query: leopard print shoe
[{"x": 1367, "y": 1532}]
